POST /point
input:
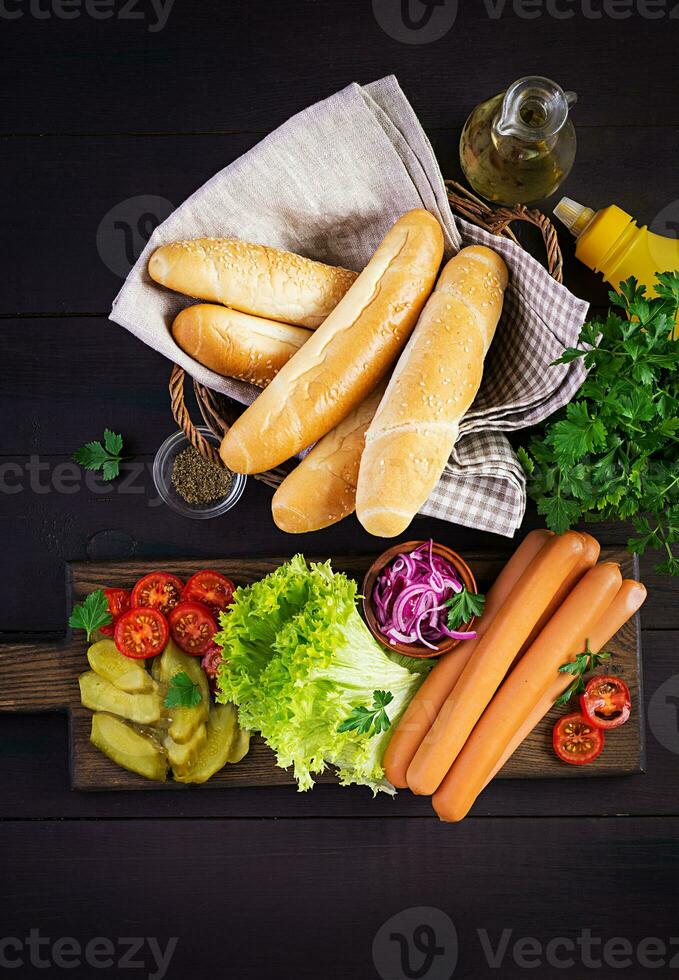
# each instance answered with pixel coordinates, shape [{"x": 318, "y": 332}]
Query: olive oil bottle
[{"x": 519, "y": 146}]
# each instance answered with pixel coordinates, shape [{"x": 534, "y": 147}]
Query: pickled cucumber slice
[
  {"x": 240, "y": 747},
  {"x": 222, "y": 725},
  {"x": 128, "y": 675},
  {"x": 184, "y": 721},
  {"x": 184, "y": 756},
  {"x": 100, "y": 695},
  {"x": 128, "y": 748}
]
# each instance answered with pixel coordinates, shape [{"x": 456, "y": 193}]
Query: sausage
[
  {"x": 590, "y": 557},
  {"x": 629, "y": 600},
  {"x": 422, "y": 710},
  {"x": 492, "y": 658},
  {"x": 561, "y": 640}
]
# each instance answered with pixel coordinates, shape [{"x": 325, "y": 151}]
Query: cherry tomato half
[
  {"x": 211, "y": 660},
  {"x": 118, "y": 603},
  {"x": 157, "y": 590},
  {"x": 141, "y": 633},
  {"x": 212, "y": 589},
  {"x": 192, "y": 626},
  {"x": 606, "y": 702},
  {"x": 210, "y": 664},
  {"x": 576, "y": 740}
]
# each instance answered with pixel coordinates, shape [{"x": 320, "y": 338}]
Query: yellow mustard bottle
[{"x": 612, "y": 243}]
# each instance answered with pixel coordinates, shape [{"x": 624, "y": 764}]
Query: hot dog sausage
[
  {"x": 561, "y": 640},
  {"x": 491, "y": 660}
]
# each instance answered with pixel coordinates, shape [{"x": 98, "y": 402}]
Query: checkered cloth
[{"x": 329, "y": 183}]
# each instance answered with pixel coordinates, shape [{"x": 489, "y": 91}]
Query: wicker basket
[{"x": 220, "y": 411}]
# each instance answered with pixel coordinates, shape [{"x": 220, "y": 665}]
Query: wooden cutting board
[{"x": 41, "y": 677}]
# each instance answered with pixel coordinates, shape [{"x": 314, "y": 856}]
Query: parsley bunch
[{"x": 613, "y": 454}]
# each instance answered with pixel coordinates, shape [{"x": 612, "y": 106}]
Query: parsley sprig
[
  {"x": 463, "y": 606},
  {"x": 182, "y": 692},
  {"x": 613, "y": 454},
  {"x": 583, "y": 663},
  {"x": 106, "y": 456},
  {"x": 91, "y": 614},
  {"x": 367, "y": 721}
]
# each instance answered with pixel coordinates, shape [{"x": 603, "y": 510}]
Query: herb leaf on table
[
  {"x": 106, "y": 456},
  {"x": 613, "y": 454}
]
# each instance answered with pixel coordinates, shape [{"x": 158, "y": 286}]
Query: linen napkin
[{"x": 329, "y": 184}]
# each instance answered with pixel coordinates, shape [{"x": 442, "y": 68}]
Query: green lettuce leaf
[{"x": 298, "y": 659}]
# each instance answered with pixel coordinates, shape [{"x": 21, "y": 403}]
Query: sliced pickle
[
  {"x": 184, "y": 756},
  {"x": 240, "y": 747},
  {"x": 128, "y": 675},
  {"x": 128, "y": 748},
  {"x": 222, "y": 725},
  {"x": 183, "y": 721},
  {"x": 99, "y": 695}
]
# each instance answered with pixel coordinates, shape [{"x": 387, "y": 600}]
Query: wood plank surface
[
  {"x": 265, "y": 882},
  {"x": 49, "y": 682},
  {"x": 260, "y": 900},
  {"x": 225, "y": 66}
]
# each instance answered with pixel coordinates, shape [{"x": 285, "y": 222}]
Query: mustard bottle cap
[{"x": 576, "y": 217}]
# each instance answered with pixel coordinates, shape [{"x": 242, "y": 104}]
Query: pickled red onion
[{"x": 410, "y": 596}]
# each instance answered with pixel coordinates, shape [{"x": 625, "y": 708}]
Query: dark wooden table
[{"x": 113, "y": 112}]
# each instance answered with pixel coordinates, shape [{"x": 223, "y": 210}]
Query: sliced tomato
[
  {"x": 576, "y": 740},
  {"x": 157, "y": 590},
  {"x": 210, "y": 664},
  {"x": 211, "y": 660},
  {"x": 192, "y": 626},
  {"x": 606, "y": 702},
  {"x": 141, "y": 633},
  {"x": 211, "y": 588},
  {"x": 118, "y": 601}
]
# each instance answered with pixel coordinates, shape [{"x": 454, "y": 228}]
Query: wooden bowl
[{"x": 414, "y": 649}]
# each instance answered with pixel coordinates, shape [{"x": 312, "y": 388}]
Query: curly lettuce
[{"x": 298, "y": 660}]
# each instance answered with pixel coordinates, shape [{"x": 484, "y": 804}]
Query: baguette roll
[
  {"x": 322, "y": 490},
  {"x": 435, "y": 381},
  {"x": 347, "y": 356},
  {"x": 235, "y": 344},
  {"x": 253, "y": 279}
]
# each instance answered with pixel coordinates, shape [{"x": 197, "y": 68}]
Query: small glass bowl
[{"x": 162, "y": 477}]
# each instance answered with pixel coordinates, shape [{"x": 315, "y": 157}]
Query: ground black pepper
[{"x": 198, "y": 480}]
